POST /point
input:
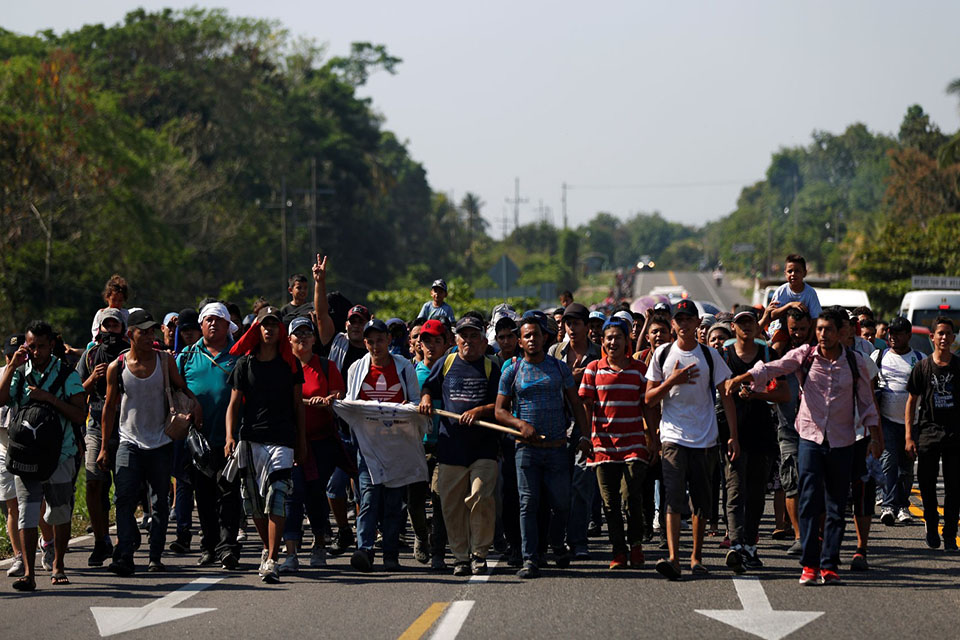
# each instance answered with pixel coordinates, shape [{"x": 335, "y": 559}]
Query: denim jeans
[
  {"x": 183, "y": 507},
  {"x": 897, "y": 466},
  {"x": 510, "y": 496},
  {"x": 311, "y": 493},
  {"x": 136, "y": 466},
  {"x": 824, "y": 484},
  {"x": 379, "y": 505},
  {"x": 542, "y": 470},
  {"x": 583, "y": 488}
]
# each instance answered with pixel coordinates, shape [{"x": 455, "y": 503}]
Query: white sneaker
[
  {"x": 318, "y": 557},
  {"x": 291, "y": 564},
  {"x": 903, "y": 516},
  {"x": 888, "y": 517},
  {"x": 263, "y": 561},
  {"x": 270, "y": 574},
  {"x": 16, "y": 569},
  {"x": 656, "y": 521},
  {"x": 241, "y": 536},
  {"x": 47, "y": 560}
]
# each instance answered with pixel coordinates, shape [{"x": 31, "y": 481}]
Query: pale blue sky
[{"x": 615, "y": 93}]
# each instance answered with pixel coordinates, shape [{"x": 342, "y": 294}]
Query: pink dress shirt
[{"x": 826, "y": 404}]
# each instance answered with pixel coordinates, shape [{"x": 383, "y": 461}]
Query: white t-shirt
[
  {"x": 892, "y": 382},
  {"x": 689, "y": 417}
]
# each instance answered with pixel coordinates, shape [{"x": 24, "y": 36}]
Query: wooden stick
[{"x": 482, "y": 423}]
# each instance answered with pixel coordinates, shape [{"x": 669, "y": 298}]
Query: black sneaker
[
  {"x": 207, "y": 558},
  {"x": 751, "y": 559},
  {"x": 101, "y": 552},
  {"x": 461, "y": 569},
  {"x": 361, "y": 561},
  {"x": 122, "y": 567},
  {"x": 229, "y": 561},
  {"x": 514, "y": 557},
  {"x": 342, "y": 544},
  {"x": 529, "y": 571},
  {"x": 156, "y": 566},
  {"x": 593, "y": 530},
  {"x": 734, "y": 561},
  {"x": 181, "y": 545},
  {"x": 859, "y": 561},
  {"x": 949, "y": 542},
  {"x": 561, "y": 557},
  {"x": 933, "y": 538}
]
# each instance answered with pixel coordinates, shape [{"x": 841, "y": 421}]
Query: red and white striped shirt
[{"x": 617, "y": 430}]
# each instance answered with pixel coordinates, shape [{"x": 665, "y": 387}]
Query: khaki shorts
[{"x": 685, "y": 467}]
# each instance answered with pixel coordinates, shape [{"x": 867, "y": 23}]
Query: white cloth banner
[{"x": 390, "y": 437}]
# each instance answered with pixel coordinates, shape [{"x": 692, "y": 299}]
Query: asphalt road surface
[
  {"x": 699, "y": 285},
  {"x": 910, "y": 591}
]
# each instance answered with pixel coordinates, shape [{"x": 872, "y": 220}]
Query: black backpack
[
  {"x": 705, "y": 350},
  {"x": 36, "y": 433}
]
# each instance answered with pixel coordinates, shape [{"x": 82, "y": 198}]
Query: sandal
[
  {"x": 25, "y": 583},
  {"x": 59, "y": 579},
  {"x": 699, "y": 569},
  {"x": 667, "y": 569}
]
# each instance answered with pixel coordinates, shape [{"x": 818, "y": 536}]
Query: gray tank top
[{"x": 143, "y": 409}]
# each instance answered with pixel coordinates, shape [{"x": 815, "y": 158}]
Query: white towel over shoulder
[{"x": 390, "y": 436}]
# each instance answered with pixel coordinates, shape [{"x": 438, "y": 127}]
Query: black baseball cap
[
  {"x": 141, "y": 319},
  {"x": 189, "y": 319},
  {"x": 744, "y": 312},
  {"x": 469, "y": 322},
  {"x": 263, "y": 314},
  {"x": 900, "y": 324},
  {"x": 439, "y": 283},
  {"x": 375, "y": 325},
  {"x": 687, "y": 307},
  {"x": 13, "y": 343},
  {"x": 576, "y": 311}
]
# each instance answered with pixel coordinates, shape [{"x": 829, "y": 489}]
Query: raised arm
[{"x": 320, "y": 307}]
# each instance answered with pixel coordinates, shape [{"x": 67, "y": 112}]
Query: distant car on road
[
  {"x": 646, "y": 263},
  {"x": 674, "y": 293}
]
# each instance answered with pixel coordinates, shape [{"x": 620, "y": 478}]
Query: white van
[
  {"x": 849, "y": 299},
  {"x": 922, "y": 307}
]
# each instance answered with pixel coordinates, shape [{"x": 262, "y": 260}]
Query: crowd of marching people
[{"x": 519, "y": 433}]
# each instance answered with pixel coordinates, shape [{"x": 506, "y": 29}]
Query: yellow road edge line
[
  {"x": 422, "y": 624},
  {"x": 918, "y": 512},
  {"x": 673, "y": 278}
]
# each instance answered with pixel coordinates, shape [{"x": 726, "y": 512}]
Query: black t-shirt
[
  {"x": 268, "y": 414},
  {"x": 756, "y": 426},
  {"x": 290, "y": 311},
  {"x": 939, "y": 395}
]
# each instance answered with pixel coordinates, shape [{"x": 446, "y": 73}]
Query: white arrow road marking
[
  {"x": 757, "y": 616},
  {"x": 113, "y": 620}
]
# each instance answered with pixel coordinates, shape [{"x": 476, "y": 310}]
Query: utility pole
[
  {"x": 313, "y": 207},
  {"x": 283, "y": 234},
  {"x": 563, "y": 200},
  {"x": 505, "y": 220},
  {"x": 516, "y": 202}
]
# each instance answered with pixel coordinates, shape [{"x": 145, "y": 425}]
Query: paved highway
[
  {"x": 910, "y": 591},
  {"x": 699, "y": 284}
]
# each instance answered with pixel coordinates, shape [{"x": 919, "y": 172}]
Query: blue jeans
[
  {"x": 184, "y": 494},
  {"x": 824, "y": 484},
  {"x": 136, "y": 466},
  {"x": 583, "y": 488},
  {"x": 379, "y": 505},
  {"x": 897, "y": 466},
  {"x": 547, "y": 469},
  {"x": 311, "y": 494}
]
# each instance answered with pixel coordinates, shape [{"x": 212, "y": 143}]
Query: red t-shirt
[
  {"x": 617, "y": 430},
  {"x": 382, "y": 384},
  {"x": 319, "y": 420}
]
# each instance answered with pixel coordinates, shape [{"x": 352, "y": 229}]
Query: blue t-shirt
[
  {"x": 423, "y": 372},
  {"x": 537, "y": 390},
  {"x": 808, "y": 297},
  {"x": 431, "y": 312},
  {"x": 465, "y": 386}
]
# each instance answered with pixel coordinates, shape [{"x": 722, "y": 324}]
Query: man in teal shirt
[{"x": 206, "y": 366}]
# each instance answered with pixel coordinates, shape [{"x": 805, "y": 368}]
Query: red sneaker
[
  {"x": 809, "y": 577},
  {"x": 829, "y": 577},
  {"x": 636, "y": 556},
  {"x": 619, "y": 561}
]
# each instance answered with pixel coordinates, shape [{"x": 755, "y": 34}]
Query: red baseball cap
[
  {"x": 359, "y": 310},
  {"x": 433, "y": 328}
]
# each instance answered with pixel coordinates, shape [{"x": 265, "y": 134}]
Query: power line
[{"x": 660, "y": 185}]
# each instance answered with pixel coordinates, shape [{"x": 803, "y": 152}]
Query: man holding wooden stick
[{"x": 467, "y": 382}]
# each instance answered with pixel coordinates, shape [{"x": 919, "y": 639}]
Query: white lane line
[
  {"x": 712, "y": 290},
  {"x": 72, "y": 543},
  {"x": 452, "y": 620},
  {"x": 491, "y": 565}
]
